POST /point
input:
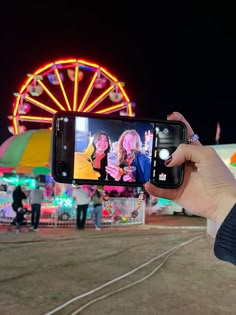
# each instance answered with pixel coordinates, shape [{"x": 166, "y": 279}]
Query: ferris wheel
[{"x": 68, "y": 84}]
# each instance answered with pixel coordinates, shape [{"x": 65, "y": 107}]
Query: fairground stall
[{"x": 122, "y": 206}]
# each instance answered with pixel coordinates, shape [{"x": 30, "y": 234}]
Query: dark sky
[{"x": 171, "y": 56}]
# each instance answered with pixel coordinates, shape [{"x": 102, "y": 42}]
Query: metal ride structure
[{"x": 67, "y": 84}]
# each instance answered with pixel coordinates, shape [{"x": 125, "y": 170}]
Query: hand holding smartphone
[{"x": 102, "y": 150}]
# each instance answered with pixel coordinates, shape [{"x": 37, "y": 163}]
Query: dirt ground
[{"x": 166, "y": 266}]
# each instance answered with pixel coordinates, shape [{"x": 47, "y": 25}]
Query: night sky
[{"x": 171, "y": 56}]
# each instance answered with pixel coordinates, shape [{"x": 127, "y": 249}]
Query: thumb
[
  {"x": 167, "y": 193},
  {"x": 186, "y": 152}
]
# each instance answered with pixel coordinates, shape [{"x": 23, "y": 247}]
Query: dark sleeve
[
  {"x": 145, "y": 164},
  {"x": 225, "y": 241},
  {"x": 23, "y": 195}
]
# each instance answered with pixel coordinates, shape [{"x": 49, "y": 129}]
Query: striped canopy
[{"x": 27, "y": 153}]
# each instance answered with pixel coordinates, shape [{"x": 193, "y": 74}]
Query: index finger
[{"x": 180, "y": 117}]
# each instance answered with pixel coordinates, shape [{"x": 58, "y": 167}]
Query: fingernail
[
  {"x": 168, "y": 160},
  {"x": 168, "y": 115}
]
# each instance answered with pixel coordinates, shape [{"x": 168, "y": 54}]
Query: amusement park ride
[{"x": 67, "y": 84}]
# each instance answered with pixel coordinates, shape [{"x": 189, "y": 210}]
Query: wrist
[
  {"x": 224, "y": 207},
  {"x": 120, "y": 173}
]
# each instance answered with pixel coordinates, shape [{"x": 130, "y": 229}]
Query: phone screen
[{"x": 102, "y": 150}]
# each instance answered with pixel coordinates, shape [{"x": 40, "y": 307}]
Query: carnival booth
[{"x": 58, "y": 209}]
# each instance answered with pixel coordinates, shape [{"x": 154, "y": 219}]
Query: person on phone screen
[
  {"x": 208, "y": 189},
  {"x": 102, "y": 145},
  {"x": 133, "y": 165}
]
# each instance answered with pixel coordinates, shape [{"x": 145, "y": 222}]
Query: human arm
[
  {"x": 208, "y": 190},
  {"x": 24, "y": 198},
  {"x": 23, "y": 195},
  {"x": 114, "y": 171},
  {"x": 225, "y": 241},
  {"x": 42, "y": 195},
  {"x": 143, "y": 167},
  {"x": 30, "y": 197},
  {"x": 73, "y": 195}
]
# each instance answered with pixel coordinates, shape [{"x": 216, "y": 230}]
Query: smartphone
[{"x": 98, "y": 149}]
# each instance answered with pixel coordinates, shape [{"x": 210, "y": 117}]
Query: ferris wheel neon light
[{"x": 68, "y": 84}]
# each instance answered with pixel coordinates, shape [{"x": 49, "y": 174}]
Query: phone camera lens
[
  {"x": 166, "y": 130},
  {"x": 164, "y": 154},
  {"x": 61, "y": 169}
]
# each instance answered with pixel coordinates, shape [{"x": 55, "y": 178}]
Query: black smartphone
[{"x": 98, "y": 149}]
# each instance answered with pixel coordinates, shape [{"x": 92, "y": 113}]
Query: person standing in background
[
  {"x": 97, "y": 209},
  {"x": 81, "y": 200},
  {"x": 18, "y": 196},
  {"x": 35, "y": 199}
]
